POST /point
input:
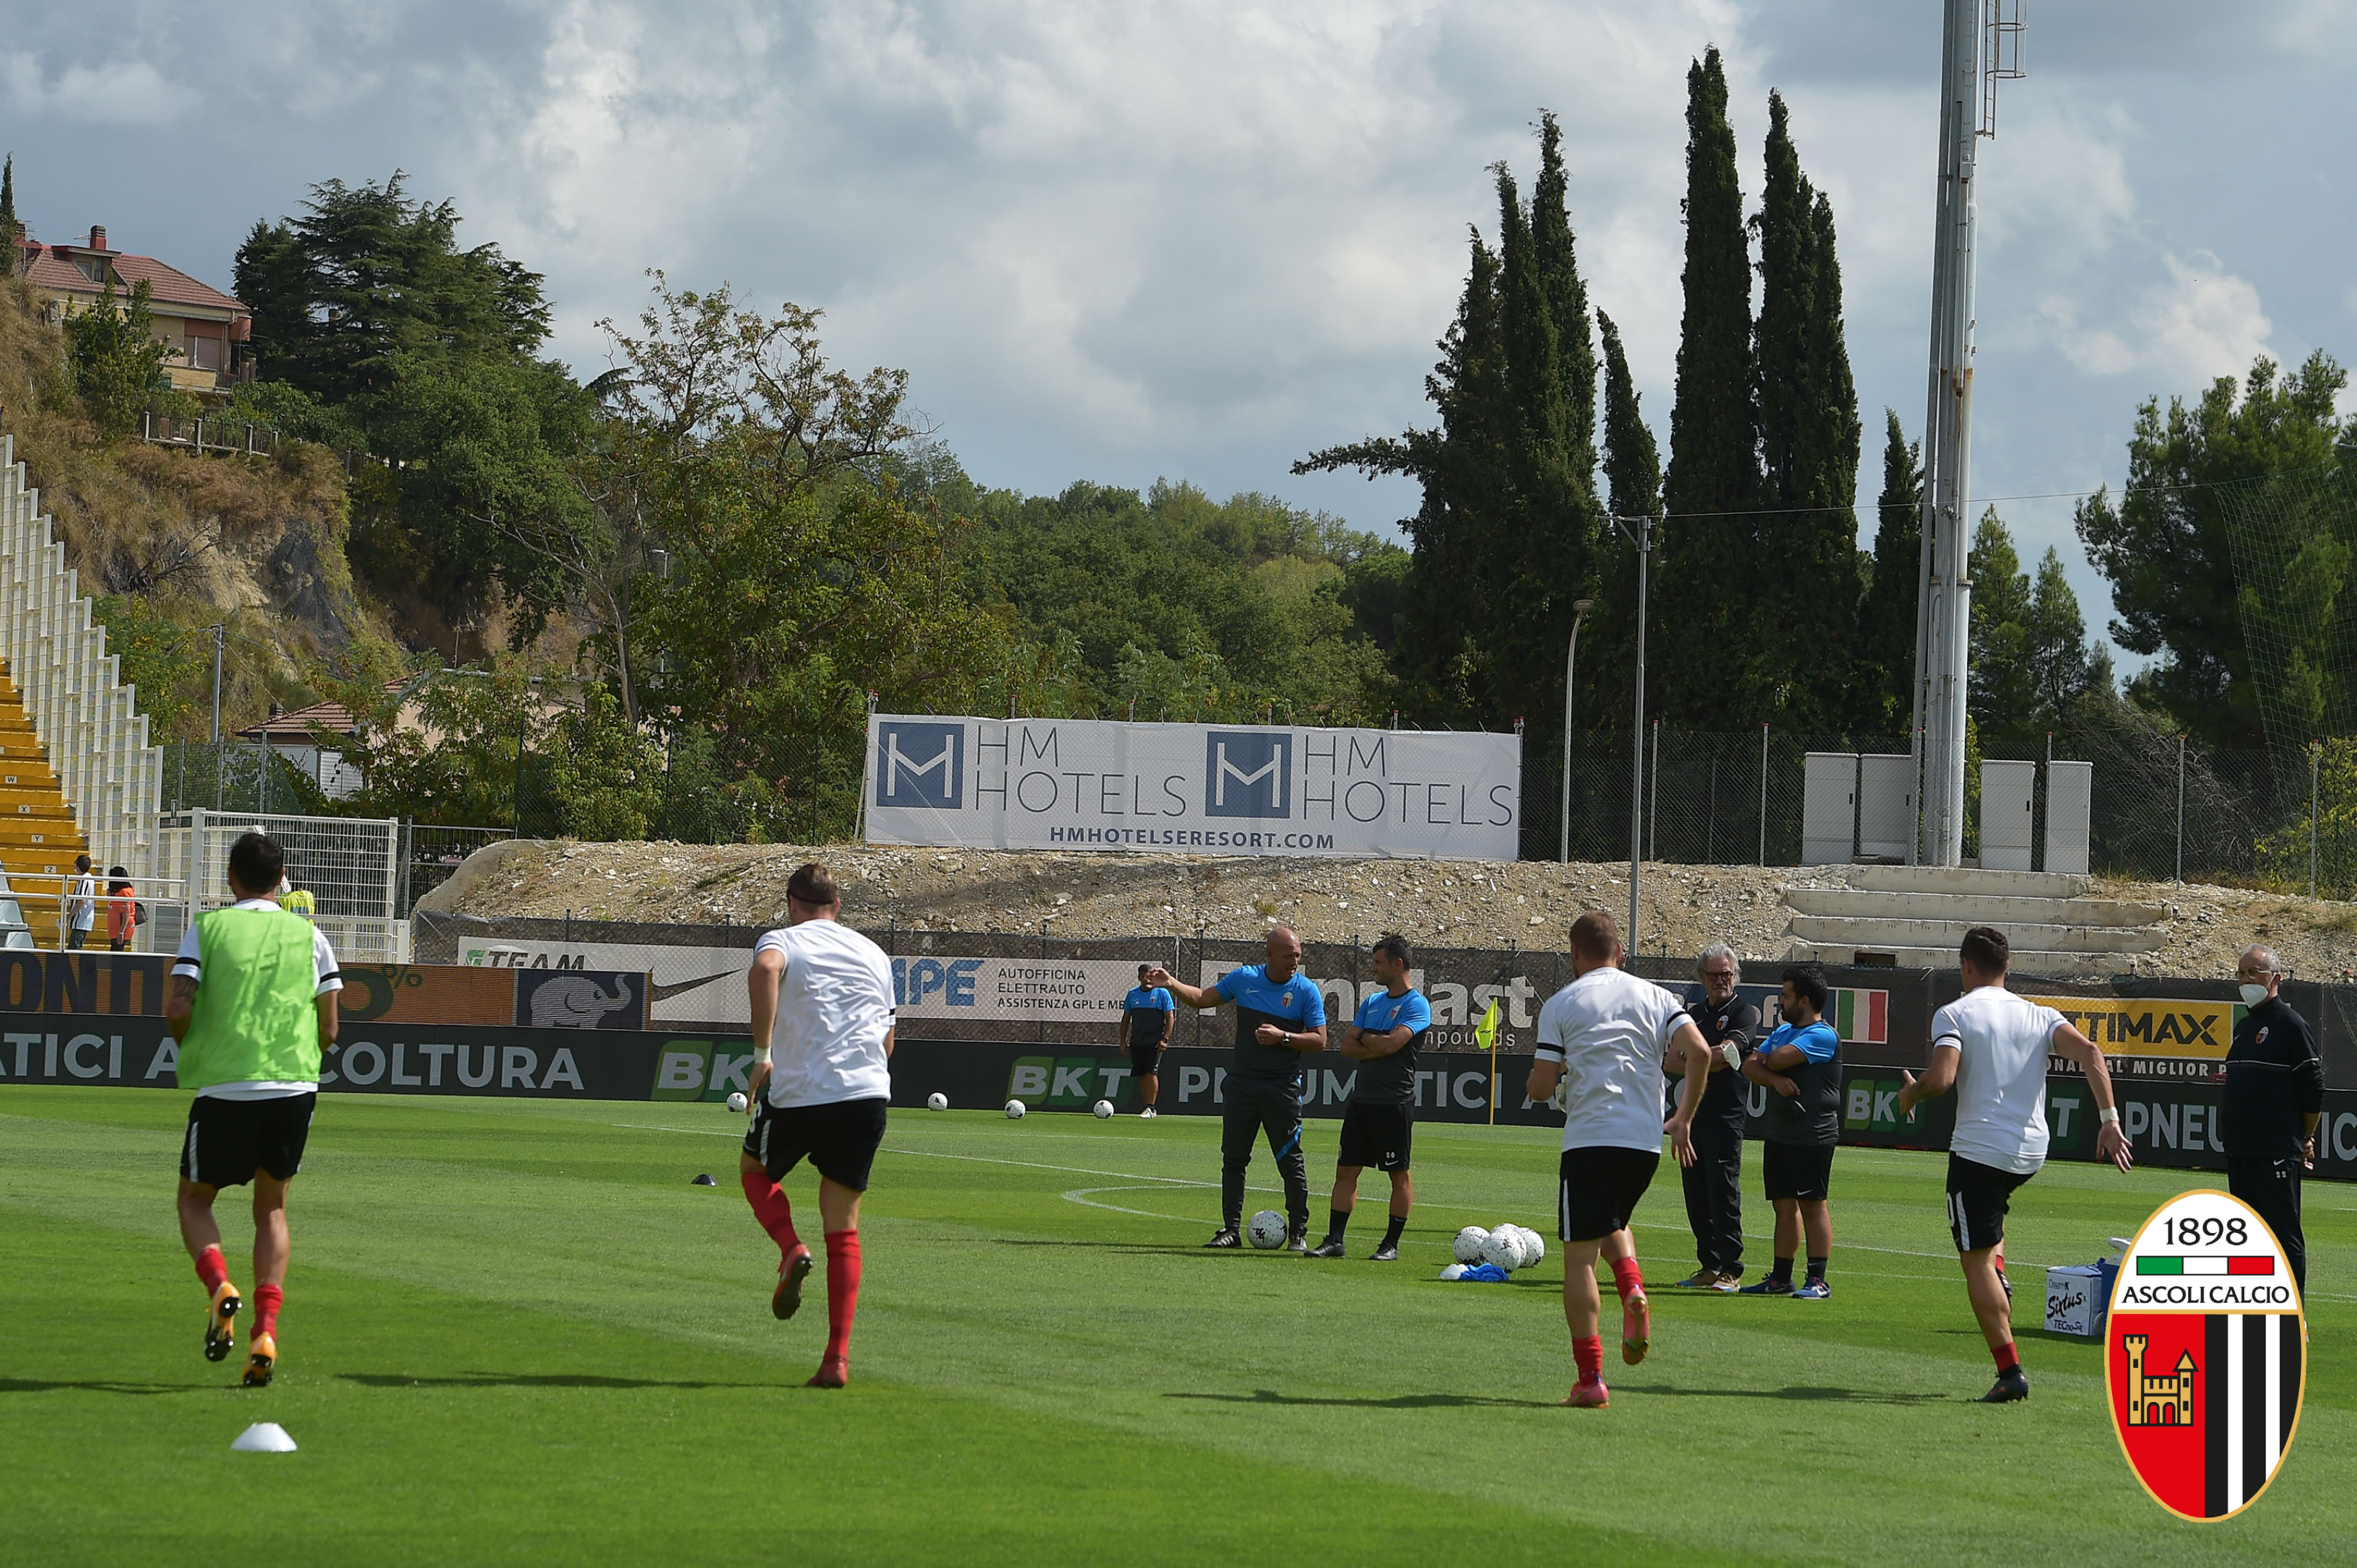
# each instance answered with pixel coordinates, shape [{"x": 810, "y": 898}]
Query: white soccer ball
[
  {"x": 1503, "y": 1248},
  {"x": 1015, "y": 1111},
  {"x": 937, "y": 1102},
  {"x": 1467, "y": 1248},
  {"x": 1537, "y": 1245},
  {"x": 1104, "y": 1108},
  {"x": 1267, "y": 1230},
  {"x": 737, "y": 1102}
]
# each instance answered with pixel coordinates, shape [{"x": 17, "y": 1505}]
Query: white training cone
[{"x": 264, "y": 1437}]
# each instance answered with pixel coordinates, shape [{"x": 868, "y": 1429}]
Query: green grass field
[{"x": 515, "y": 1332}]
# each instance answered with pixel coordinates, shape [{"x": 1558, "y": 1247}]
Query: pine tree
[
  {"x": 1887, "y": 614},
  {"x": 1703, "y": 671},
  {"x": 1806, "y": 540},
  {"x": 1567, "y": 293}
]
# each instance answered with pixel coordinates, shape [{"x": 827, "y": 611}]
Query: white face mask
[{"x": 2254, "y": 994}]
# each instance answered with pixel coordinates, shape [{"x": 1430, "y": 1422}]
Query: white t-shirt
[
  {"x": 2001, "y": 1041},
  {"x": 1610, "y": 1030},
  {"x": 330, "y": 978},
  {"x": 834, "y": 1008}
]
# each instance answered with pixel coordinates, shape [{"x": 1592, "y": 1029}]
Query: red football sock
[
  {"x": 267, "y": 1300},
  {"x": 1628, "y": 1278},
  {"x": 2008, "y": 1357},
  {"x": 212, "y": 1270},
  {"x": 842, "y": 1291},
  {"x": 771, "y": 1208},
  {"x": 1588, "y": 1356}
]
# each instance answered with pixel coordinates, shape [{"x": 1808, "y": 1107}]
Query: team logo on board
[
  {"x": 920, "y": 765},
  {"x": 1247, "y": 773},
  {"x": 2204, "y": 1356}
]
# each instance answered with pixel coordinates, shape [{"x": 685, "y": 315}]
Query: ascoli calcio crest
[{"x": 2206, "y": 1356}]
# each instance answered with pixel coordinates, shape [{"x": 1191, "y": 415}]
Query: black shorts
[
  {"x": 1145, "y": 1060},
  {"x": 229, "y": 1140},
  {"x": 840, "y": 1139},
  {"x": 1600, "y": 1189},
  {"x": 1978, "y": 1196},
  {"x": 1377, "y": 1135},
  {"x": 1796, "y": 1170}
]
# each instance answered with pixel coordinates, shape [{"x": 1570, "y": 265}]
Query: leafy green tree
[
  {"x": 117, "y": 360},
  {"x": 1714, "y": 466},
  {"x": 2031, "y": 664},
  {"x": 1803, "y": 626},
  {"x": 2164, "y": 544},
  {"x": 441, "y": 745},
  {"x": 165, "y": 661},
  {"x": 1556, "y": 256},
  {"x": 1887, "y": 614},
  {"x": 606, "y": 773}
]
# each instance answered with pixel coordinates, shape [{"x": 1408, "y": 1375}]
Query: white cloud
[{"x": 119, "y": 92}]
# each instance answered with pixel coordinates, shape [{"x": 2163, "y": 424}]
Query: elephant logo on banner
[{"x": 580, "y": 999}]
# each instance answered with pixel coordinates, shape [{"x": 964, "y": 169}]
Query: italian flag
[
  {"x": 2262, "y": 1264},
  {"x": 1862, "y": 1017}
]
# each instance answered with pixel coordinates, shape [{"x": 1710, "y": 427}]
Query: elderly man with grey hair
[
  {"x": 2274, "y": 1094},
  {"x": 1714, "y": 1182}
]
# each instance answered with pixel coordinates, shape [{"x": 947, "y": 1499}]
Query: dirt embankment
[{"x": 1443, "y": 903}]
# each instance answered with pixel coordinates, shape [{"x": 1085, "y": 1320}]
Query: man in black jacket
[
  {"x": 1714, "y": 1182},
  {"x": 2275, "y": 1091}
]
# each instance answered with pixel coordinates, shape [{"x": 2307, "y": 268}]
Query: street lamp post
[
  {"x": 1639, "y": 532},
  {"x": 1579, "y": 609}
]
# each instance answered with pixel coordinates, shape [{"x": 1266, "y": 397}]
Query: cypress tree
[
  {"x": 1886, "y": 617},
  {"x": 1633, "y": 467},
  {"x": 1807, "y": 538},
  {"x": 1567, "y": 293},
  {"x": 11, "y": 231},
  {"x": 1632, "y": 471},
  {"x": 1705, "y": 672}
]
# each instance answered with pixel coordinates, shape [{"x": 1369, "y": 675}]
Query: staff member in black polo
[
  {"x": 2275, "y": 1092},
  {"x": 1714, "y": 1182}
]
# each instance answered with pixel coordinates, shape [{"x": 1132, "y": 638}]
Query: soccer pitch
[{"x": 515, "y": 1332}]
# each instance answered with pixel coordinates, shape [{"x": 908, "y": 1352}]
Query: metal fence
[
  {"x": 220, "y": 435},
  {"x": 234, "y": 776},
  {"x": 430, "y": 854},
  {"x": 2162, "y": 809},
  {"x": 350, "y": 866}
]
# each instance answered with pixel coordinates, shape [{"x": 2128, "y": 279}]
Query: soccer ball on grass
[
  {"x": 1267, "y": 1230},
  {"x": 1467, "y": 1248},
  {"x": 737, "y": 1102},
  {"x": 1503, "y": 1249},
  {"x": 1015, "y": 1111},
  {"x": 937, "y": 1102},
  {"x": 1104, "y": 1108}
]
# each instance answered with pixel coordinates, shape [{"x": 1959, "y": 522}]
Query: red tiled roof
[
  {"x": 325, "y": 718},
  {"x": 51, "y": 268}
]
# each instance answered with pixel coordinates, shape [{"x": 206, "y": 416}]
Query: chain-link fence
[
  {"x": 351, "y": 866},
  {"x": 2161, "y": 809},
  {"x": 235, "y": 776}
]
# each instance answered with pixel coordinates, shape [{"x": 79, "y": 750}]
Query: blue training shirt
[
  {"x": 1140, "y": 1023},
  {"x": 1391, "y": 1080},
  {"x": 1810, "y": 1117},
  {"x": 1293, "y": 1004}
]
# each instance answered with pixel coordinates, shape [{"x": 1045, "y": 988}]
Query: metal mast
[{"x": 1981, "y": 44}]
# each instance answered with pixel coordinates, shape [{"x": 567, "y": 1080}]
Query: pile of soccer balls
[{"x": 1505, "y": 1247}]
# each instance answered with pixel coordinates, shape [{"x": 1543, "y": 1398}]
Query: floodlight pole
[
  {"x": 1579, "y": 609},
  {"x": 1980, "y": 46}
]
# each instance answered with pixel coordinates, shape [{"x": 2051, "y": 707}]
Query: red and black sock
[
  {"x": 2008, "y": 1358},
  {"x": 267, "y": 1300},
  {"x": 212, "y": 1270},
  {"x": 842, "y": 1291},
  {"x": 771, "y": 1208}
]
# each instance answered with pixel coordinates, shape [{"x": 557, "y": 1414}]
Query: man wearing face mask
[{"x": 2274, "y": 1089}]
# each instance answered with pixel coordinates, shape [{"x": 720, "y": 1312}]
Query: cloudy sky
[{"x": 1118, "y": 242}]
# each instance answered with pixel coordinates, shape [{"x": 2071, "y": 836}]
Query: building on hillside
[
  {"x": 205, "y": 329},
  {"x": 305, "y": 740}
]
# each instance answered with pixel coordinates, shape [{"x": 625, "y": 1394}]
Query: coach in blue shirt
[
  {"x": 1800, "y": 1065},
  {"x": 1146, "y": 1014},
  {"x": 1280, "y": 1017}
]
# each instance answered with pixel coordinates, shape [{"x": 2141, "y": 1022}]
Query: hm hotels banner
[{"x": 969, "y": 783}]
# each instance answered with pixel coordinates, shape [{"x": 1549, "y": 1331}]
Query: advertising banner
[
  {"x": 682, "y": 984},
  {"x": 2150, "y": 1037},
  {"x": 971, "y": 783},
  {"x": 426, "y": 994}
]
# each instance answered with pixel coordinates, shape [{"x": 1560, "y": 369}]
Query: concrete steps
[
  {"x": 39, "y": 836},
  {"x": 1915, "y": 917}
]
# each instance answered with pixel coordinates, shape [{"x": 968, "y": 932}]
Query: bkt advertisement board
[{"x": 970, "y": 783}]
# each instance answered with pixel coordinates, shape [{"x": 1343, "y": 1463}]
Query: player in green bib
[{"x": 251, "y": 1002}]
